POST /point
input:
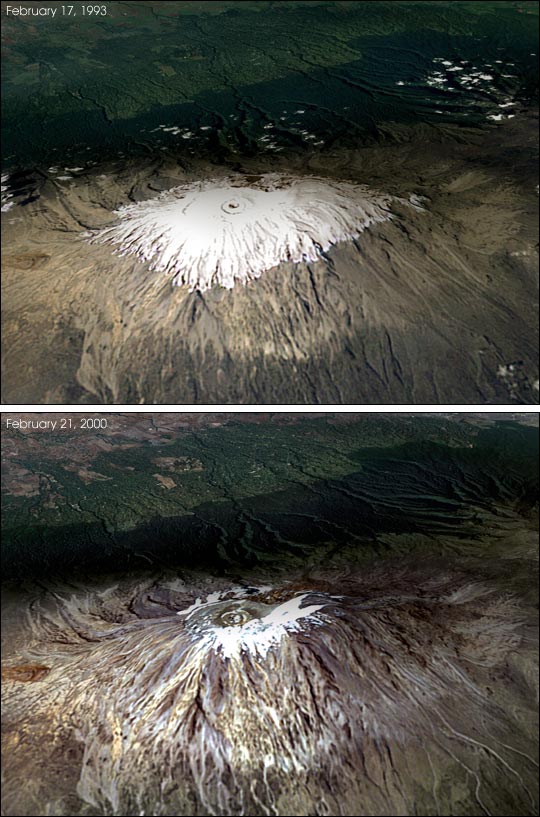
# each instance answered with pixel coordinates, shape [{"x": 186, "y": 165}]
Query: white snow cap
[
  {"x": 231, "y": 230},
  {"x": 260, "y": 633}
]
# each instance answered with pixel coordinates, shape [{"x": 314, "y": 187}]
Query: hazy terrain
[{"x": 438, "y": 306}]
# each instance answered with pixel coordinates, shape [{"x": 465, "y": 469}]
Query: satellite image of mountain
[
  {"x": 267, "y": 202},
  {"x": 270, "y": 614}
]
